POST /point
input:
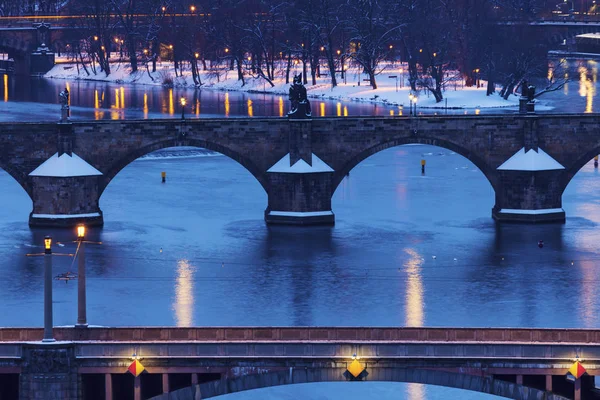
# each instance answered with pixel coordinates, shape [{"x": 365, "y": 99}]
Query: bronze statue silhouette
[{"x": 300, "y": 103}]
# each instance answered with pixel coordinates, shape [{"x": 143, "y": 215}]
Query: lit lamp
[
  {"x": 81, "y": 291},
  {"x": 47, "y": 245},
  {"x": 182, "y": 102},
  {"x": 48, "y": 336}
]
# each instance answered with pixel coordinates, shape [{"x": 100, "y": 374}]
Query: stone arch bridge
[{"x": 528, "y": 159}]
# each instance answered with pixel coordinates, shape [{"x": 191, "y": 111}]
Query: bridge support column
[
  {"x": 49, "y": 372},
  {"x": 65, "y": 201},
  {"x": 548, "y": 383},
  {"x": 65, "y": 188},
  {"x": 529, "y": 196},
  {"x": 300, "y": 199},
  {"x": 108, "y": 392}
]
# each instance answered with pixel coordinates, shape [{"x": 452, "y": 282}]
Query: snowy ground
[{"x": 390, "y": 90}]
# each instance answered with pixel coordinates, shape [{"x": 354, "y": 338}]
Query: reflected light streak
[
  {"x": 322, "y": 109},
  {"x": 416, "y": 391},
  {"x": 477, "y": 111},
  {"x": 5, "y": 88},
  {"x": 338, "y": 108},
  {"x": 117, "y": 106},
  {"x": 197, "y": 107},
  {"x": 586, "y": 89},
  {"x": 122, "y": 97},
  {"x": 414, "y": 290},
  {"x": 227, "y": 104},
  {"x": 146, "y": 105},
  {"x": 280, "y": 106},
  {"x": 184, "y": 294},
  {"x": 250, "y": 111},
  {"x": 96, "y": 101},
  {"x": 68, "y": 87},
  {"x": 171, "y": 104},
  {"x": 392, "y": 113},
  {"x": 97, "y": 113},
  {"x": 345, "y": 111}
]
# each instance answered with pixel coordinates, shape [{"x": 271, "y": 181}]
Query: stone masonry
[{"x": 341, "y": 143}]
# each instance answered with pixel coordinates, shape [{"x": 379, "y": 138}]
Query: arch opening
[
  {"x": 390, "y": 180},
  {"x": 165, "y": 144},
  {"x": 297, "y": 376}
]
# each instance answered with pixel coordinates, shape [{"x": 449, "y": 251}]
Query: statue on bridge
[
  {"x": 63, "y": 98},
  {"x": 300, "y": 104}
]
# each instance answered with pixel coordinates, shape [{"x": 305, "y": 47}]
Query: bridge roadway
[
  {"x": 300, "y": 163},
  {"x": 211, "y": 361}
]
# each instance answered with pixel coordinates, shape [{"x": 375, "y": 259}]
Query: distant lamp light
[
  {"x": 182, "y": 101},
  {"x": 48, "y": 245},
  {"x": 80, "y": 232},
  {"x": 163, "y": 8},
  {"x": 95, "y": 37},
  {"x": 192, "y": 8},
  {"x": 102, "y": 48},
  {"x": 226, "y": 50},
  {"x": 196, "y": 55},
  {"x": 116, "y": 40},
  {"x": 145, "y": 51},
  {"x": 249, "y": 58},
  {"x": 322, "y": 48},
  {"x": 355, "y": 371},
  {"x": 435, "y": 54},
  {"x": 420, "y": 50},
  {"x": 171, "y": 46},
  {"x": 339, "y": 52},
  {"x": 391, "y": 46}
]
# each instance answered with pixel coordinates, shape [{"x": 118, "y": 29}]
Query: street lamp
[
  {"x": 192, "y": 8},
  {"x": 410, "y": 100},
  {"x": 48, "y": 337},
  {"x": 182, "y": 102},
  {"x": 81, "y": 296}
]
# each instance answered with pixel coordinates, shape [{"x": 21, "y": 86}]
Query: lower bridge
[{"x": 199, "y": 363}]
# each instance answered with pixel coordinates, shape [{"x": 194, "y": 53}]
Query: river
[{"x": 406, "y": 250}]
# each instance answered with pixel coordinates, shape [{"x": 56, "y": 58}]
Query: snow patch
[
  {"x": 530, "y": 161},
  {"x": 531, "y": 212},
  {"x": 65, "y": 166},
  {"x": 300, "y": 166},
  {"x": 62, "y": 216},
  {"x": 300, "y": 214}
]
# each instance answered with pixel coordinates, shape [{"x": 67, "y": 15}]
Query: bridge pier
[
  {"x": 528, "y": 196},
  {"x": 300, "y": 184}
]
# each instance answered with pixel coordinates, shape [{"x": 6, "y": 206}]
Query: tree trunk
[
  {"x": 288, "y": 68},
  {"x": 372, "y": 78},
  {"x": 331, "y": 67},
  {"x": 132, "y": 54},
  {"x": 240, "y": 72}
]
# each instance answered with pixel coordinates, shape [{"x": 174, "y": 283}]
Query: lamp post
[
  {"x": 182, "y": 102},
  {"x": 410, "y": 100},
  {"x": 81, "y": 293},
  {"x": 48, "y": 337}
]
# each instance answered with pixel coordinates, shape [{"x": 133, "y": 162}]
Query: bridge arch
[
  {"x": 576, "y": 166},
  {"x": 21, "y": 178},
  {"x": 131, "y": 156},
  {"x": 293, "y": 376},
  {"x": 487, "y": 171}
]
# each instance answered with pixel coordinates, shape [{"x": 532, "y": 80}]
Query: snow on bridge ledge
[
  {"x": 300, "y": 166},
  {"x": 65, "y": 166},
  {"x": 530, "y": 160}
]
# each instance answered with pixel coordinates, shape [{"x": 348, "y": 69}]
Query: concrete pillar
[
  {"x": 108, "y": 391},
  {"x": 165, "y": 383},
  {"x": 548, "y": 383},
  {"x": 194, "y": 379},
  {"x": 577, "y": 394},
  {"x": 137, "y": 388},
  {"x": 519, "y": 379},
  {"x": 529, "y": 196},
  {"x": 196, "y": 389}
]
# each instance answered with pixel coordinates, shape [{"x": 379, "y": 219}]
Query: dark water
[{"x": 221, "y": 265}]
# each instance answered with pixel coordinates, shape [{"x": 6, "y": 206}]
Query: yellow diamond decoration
[
  {"x": 355, "y": 368},
  {"x": 577, "y": 370}
]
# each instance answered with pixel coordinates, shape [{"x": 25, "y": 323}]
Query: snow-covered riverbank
[{"x": 392, "y": 88}]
